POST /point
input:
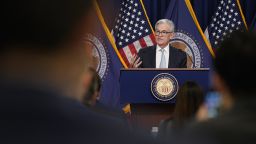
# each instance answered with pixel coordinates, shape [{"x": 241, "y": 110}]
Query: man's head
[
  {"x": 234, "y": 65},
  {"x": 40, "y": 42},
  {"x": 164, "y": 31}
]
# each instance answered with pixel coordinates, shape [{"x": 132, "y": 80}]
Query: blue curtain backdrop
[
  {"x": 204, "y": 10},
  {"x": 156, "y": 9}
]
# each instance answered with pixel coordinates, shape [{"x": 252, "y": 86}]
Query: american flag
[
  {"x": 228, "y": 18},
  {"x": 132, "y": 30}
]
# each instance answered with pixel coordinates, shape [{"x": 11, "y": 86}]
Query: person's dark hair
[
  {"x": 95, "y": 86},
  {"x": 189, "y": 99},
  {"x": 35, "y": 23},
  {"x": 235, "y": 62}
]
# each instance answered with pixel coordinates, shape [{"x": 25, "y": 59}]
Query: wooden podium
[{"x": 135, "y": 89}]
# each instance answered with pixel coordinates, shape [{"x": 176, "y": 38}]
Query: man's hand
[{"x": 135, "y": 61}]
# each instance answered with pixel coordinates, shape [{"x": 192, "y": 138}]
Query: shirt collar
[{"x": 158, "y": 48}]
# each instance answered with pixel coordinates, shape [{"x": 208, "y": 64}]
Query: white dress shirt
[{"x": 159, "y": 55}]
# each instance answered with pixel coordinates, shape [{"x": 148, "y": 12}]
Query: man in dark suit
[
  {"x": 42, "y": 70},
  {"x": 162, "y": 55},
  {"x": 234, "y": 79}
]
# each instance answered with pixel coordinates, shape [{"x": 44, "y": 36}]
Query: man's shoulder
[
  {"x": 176, "y": 50},
  {"x": 49, "y": 116},
  {"x": 147, "y": 49}
]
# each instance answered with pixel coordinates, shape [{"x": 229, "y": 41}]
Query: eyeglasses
[{"x": 164, "y": 33}]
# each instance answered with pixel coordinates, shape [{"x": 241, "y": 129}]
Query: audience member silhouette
[
  {"x": 234, "y": 79},
  {"x": 188, "y": 101},
  {"x": 42, "y": 66}
]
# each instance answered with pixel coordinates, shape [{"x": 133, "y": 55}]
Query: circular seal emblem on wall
[
  {"x": 99, "y": 53},
  {"x": 164, "y": 86},
  {"x": 188, "y": 44}
]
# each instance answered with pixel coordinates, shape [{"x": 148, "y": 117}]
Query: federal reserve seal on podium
[{"x": 164, "y": 86}]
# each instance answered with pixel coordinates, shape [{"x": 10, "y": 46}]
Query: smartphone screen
[{"x": 212, "y": 101}]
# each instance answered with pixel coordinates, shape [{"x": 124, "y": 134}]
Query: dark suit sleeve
[
  {"x": 183, "y": 62},
  {"x": 177, "y": 58}
]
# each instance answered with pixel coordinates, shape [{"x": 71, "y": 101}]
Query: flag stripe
[
  {"x": 124, "y": 57},
  {"x": 137, "y": 45},
  {"x": 153, "y": 39},
  {"x": 148, "y": 40},
  {"x": 128, "y": 53},
  {"x": 132, "y": 49},
  {"x": 142, "y": 43}
]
